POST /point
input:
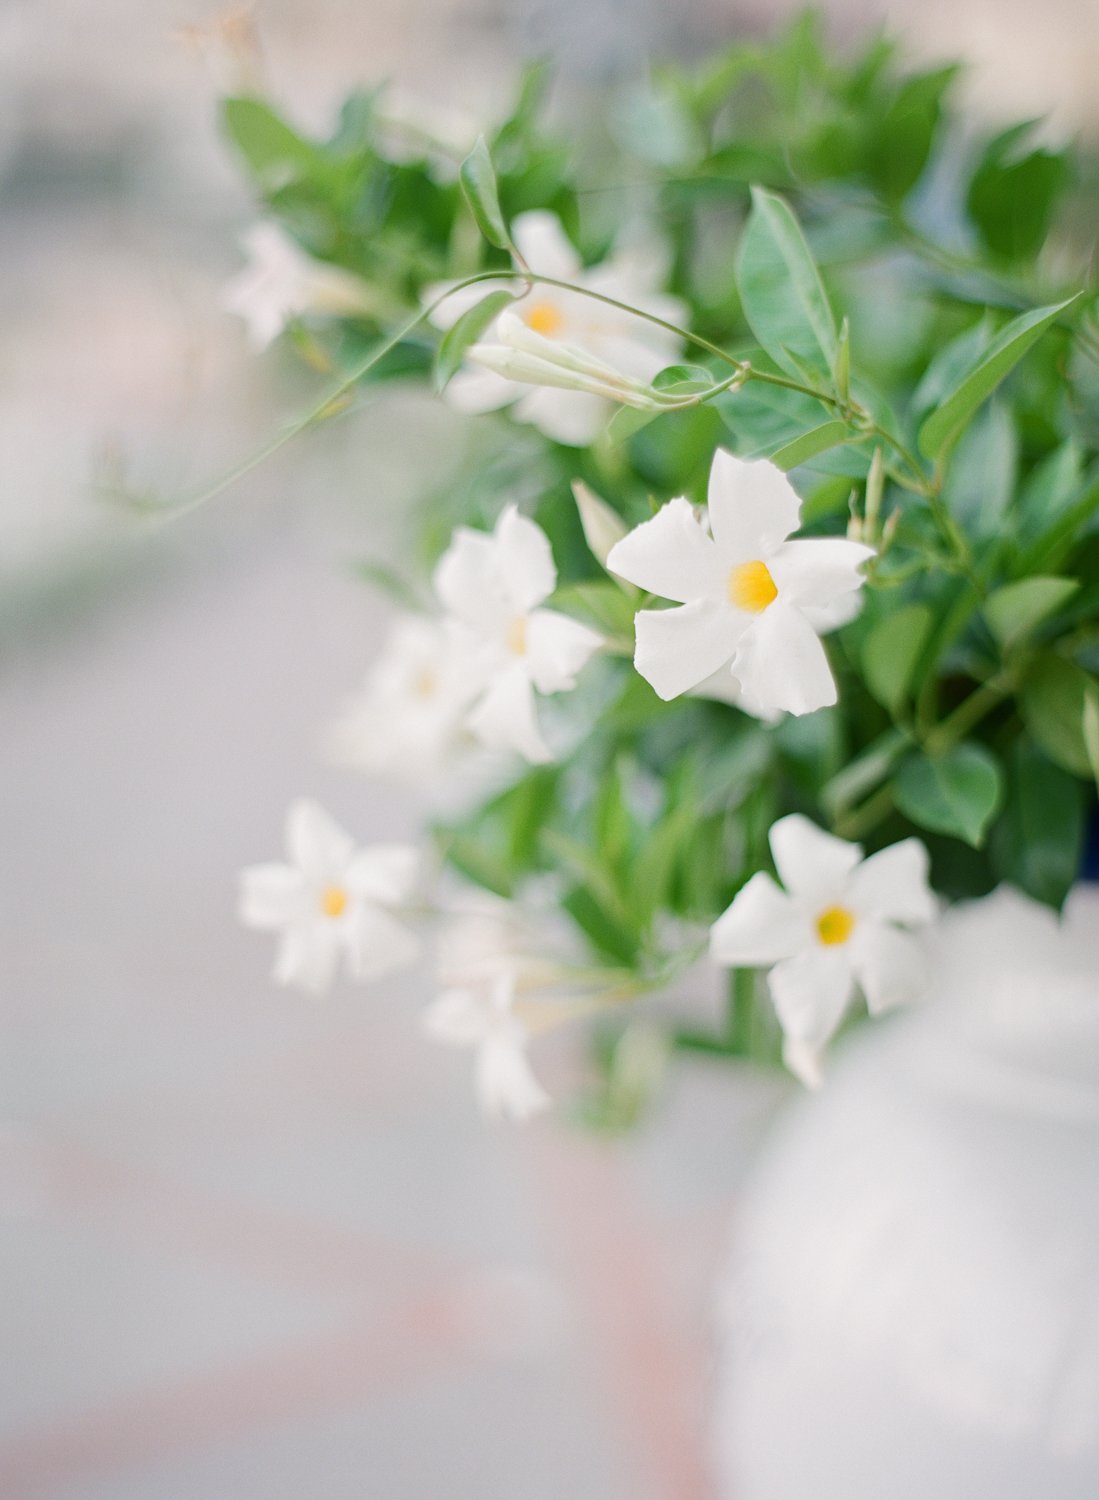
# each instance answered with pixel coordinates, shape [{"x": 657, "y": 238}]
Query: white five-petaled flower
[
  {"x": 839, "y": 924},
  {"x": 483, "y": 1016},
  {"x": 407, "y": 720},
  {"x": 331, "y": 901},
  {"x": 281, "y": 282},
  {"x": 750, "y": 601},
  {"x": 560, "y": 356},
  {"x": 491, "y": 587}
]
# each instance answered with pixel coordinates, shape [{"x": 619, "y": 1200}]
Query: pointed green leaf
[
  {"x": 809, "y": 444},
  {"x": 943, "y": 427},
  {"x": 958, "y": 793},
  {"x": 892, "y": 653},
  {"x": 466, "y": 332},
  {"x": 781, "y": 291},
  {"x": 1015, "y": 610},
  {"x": 1052, "y": 703},
  {"x": 478, "y": 178}
]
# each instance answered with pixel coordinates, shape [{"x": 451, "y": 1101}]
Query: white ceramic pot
[{"x": 911, "y": 1309}]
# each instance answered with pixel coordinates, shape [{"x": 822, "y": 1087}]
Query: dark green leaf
[
  {"x": 958, "y": 793},
  {"x": 1038, "y": 842},
  {"x": 1052, "y": 702}
]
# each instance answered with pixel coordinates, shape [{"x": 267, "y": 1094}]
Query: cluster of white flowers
[{"x": 750, "y": 603}]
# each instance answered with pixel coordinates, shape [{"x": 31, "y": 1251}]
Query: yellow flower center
[
  {"x": 544, "y": 318},
  {"x": 517, "y": 636},
  {"x": 835, "y": 925},
  {"x": 334, "y": 901},
  {"x": 751, "y": 587},
  {"x": 425, "y": 684}
]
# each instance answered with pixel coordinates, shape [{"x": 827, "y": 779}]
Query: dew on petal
[
  {"x": 835, "y": 925},
  {"x": 752, "y": 588}
]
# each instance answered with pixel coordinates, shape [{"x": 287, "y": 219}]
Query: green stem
[{"x": 969, "y": 713}]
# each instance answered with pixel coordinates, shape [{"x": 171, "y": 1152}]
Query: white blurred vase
[{"x": 911, "y": 1308}]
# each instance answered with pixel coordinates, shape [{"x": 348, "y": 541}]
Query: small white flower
[
  {"x": 484, "y": 1017},
  {"x": 407, "y": 720},
  {"x": 491, "y": 587},
  {"x": 750, "y": 601},
  {"x": 837, "y": 925},
  {"x": 614, "y": 352},
  {"x": 331, "y": 901},
  {"x": 280, "y": 283}
]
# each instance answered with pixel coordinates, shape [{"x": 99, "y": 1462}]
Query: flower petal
[
  {"x": 375, "y": 944},
  {"x": 506, "y": 718},
  {"x": 272, "y": 896},
  {"x": 811, "y": 991},
  {"x": 781, "y": 664},
  {"x": 307, "y": 956},
  {"x": 761, "y": 926},
  {"x": 811, "y": 863},
  {"x": 574, "y": 418},
  {"x": 816, "y": 571},
  {"x": 316, "y": 843},
  {"x": 474, "y": 390},
  {"x": 525, "y": 560},
  {"x": 460, "y": 1018},
  {"x": 672, "y": 555},
  {"x": 557, "y": 648},
  {"x": 468, "y": 582},
  {"x": 890, "y": 965},
  {"x": 893, "y": 886},
  {"x": 383, "y": 873},
  {"x": 676, "y": 649},
  {"x": 752, "y": 504},
  {"x": 545, "y": 246},
  {"x": 505, "y": 1083}
]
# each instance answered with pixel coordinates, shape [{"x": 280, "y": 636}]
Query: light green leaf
[
  {"x": 1052, "y": 704},
  {"x": 478, "y": 178},
  {"x": 943, "y": 427},
  {"x": 1015, "y": 610},
  {"x": 603, "y": 527},
  {"x": 466, "y": 332},
  {"x": 809, "y": 444},
  {"x": 629, "y": 419},
  {"x": 958, "y": 793},
  {"x": 781, "y": 291},
  {"x": 275, "y": 153},
  {"x": 892, "y": 653}
]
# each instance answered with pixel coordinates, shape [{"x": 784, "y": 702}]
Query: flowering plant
[{"x": 771, "y": 545}]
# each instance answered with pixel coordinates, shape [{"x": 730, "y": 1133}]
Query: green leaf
[
  {"x": 466, "y": 332},
  {"x": 1015, "y": 610},
  {"x": 1038, "y": 842},
  {"x": 864, "y": 774},
  {"x": 981, "y": 480},
  {"x": 1091, "y": 730},
  {"x": 627, "y": 420},
  {"x": 944, "y": 426},
  {"x": 276, "y": 155},
  {"x": 892, "y": 653},
  {"x": 1012, "y": 197},
  {"x": 603, "y": 528},
  {"x": 781, "y": 291},
  {"x": 809, "y": 444},
  {"x": 478, "y": 179},
  {"x": 1052, "y": 702},
  {"x": 958, "y": 793}
]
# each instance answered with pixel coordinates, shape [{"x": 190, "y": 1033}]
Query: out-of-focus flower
[
  {"x": 281, "y": 282},
  {"x": 613, "y": 354},
  {"x": 749, "y": 600},
  {"x": 491, "y": 587},
  {"x": 839, "y": 924},
  {"x": 408, "y": 719},
  {"x": 331, "y": 901},
  {"x": 484, "y": 1017}
]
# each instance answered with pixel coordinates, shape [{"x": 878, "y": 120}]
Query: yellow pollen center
[
  {"x": 835, "y": 925},
  {"x": 517, "y": 636},
  {"x": 752, "y": 588},
  {"x": 425, "y": 684},
  {"x": 334, "y": 901},
  {"x": 544, "y": 318}
]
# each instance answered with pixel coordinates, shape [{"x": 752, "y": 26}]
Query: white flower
[
  {"x": 483, "y": 1017},
  {"x": 331, "y": 901},
  {"x": 751, "y": 601},
  {"x": 837, "y": 925},
  {"x": 408, "y": 718},
  {"x": 280, "y": 283},
  {"x": 491, "y": 587},
  {"x": 620, "y": 350}
]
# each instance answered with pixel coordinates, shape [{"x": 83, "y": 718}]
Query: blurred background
[{"x": 252, "y": 1246}]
